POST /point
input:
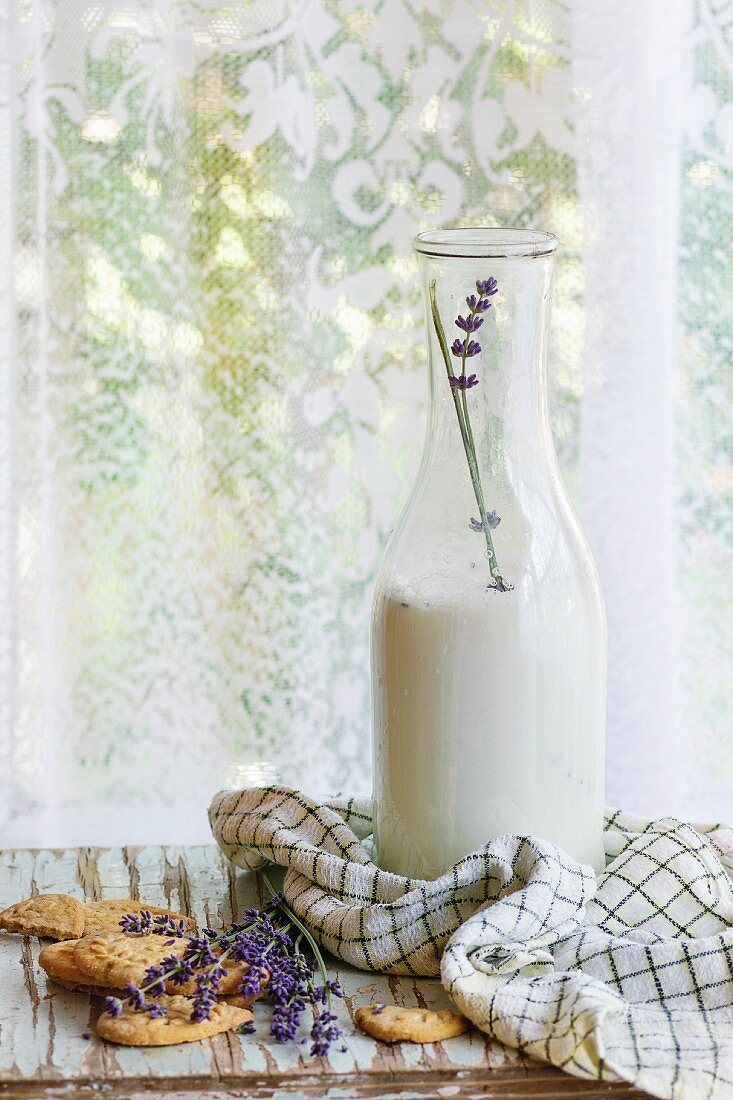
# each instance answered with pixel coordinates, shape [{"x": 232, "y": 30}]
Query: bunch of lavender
[
  {"x": 281, "y": 955},
  {"x": 463, "y": 349}
]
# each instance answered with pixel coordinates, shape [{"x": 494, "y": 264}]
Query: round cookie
[
  {"x": 105, "y": 916},
  {"x": 58, "y": 916},
  {"x": 137, "y": 1029},
  {"x": 116, "y": 958},
  {"x": 393, "y": 1024},
  {"x": 58, "y": 960}
]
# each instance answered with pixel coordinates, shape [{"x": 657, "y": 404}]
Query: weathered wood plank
[
  {"x": 43, "y": 1052},
  {"x": 546, "y": 1085}
]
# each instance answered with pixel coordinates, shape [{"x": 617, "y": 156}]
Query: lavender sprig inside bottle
[{"x": 460, "y": 382}]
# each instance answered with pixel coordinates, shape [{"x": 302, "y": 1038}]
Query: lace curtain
[{"x": 212, "y": 386}]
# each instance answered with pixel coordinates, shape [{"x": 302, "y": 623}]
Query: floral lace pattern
[{"x": 217, "y": 348}]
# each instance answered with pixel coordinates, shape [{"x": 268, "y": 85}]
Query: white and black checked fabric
[{"x": 627, "y": 978}]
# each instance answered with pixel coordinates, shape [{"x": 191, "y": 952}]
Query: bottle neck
[
  {"x": 499, "y": 389},
  {"x": 487, "y": 321}
]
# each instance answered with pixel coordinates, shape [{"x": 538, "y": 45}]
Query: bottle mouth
[{"x": 485, "y": 243}]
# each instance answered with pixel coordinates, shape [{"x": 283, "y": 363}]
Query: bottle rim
[{"x": 486, "y": 242}]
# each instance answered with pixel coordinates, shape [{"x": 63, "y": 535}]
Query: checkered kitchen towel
[{"x": 628, "y": 978}]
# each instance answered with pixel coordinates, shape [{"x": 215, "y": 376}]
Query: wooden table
[{"x": 43, "y": 1053}]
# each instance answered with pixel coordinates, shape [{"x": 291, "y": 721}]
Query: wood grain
[{"x": 43, "y": 1053}]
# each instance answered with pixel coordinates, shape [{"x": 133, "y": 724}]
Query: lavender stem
[
  {"x": 464, "y": 423},
  {"x": 304, "y": 931}
]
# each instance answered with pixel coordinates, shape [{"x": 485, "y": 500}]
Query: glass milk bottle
[{"x": 488, "y": 629}]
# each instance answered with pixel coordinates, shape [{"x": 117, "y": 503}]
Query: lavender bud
[
  {"x": 137, "y": 922},
  {"x": 487, "y": 288},
  {"x": 134, "y": 996},
  {"x": 155, "y": 980},
  {"x": 491, "y": 518},
  {"x": 469, "y": 324},
  {"x": 113, "y": 1005},
  {"x": 463, "y": 382}
]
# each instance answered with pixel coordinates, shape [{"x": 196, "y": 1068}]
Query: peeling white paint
[{"x": 41, "y": 1025}]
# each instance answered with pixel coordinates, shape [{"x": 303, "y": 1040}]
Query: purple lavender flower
[
  {"x": 165, "y": 925},
  {"x": 470, "y": 323},
  {"x": 143, "y": 923},
  {"x": 155, "y": 980},
  {"x": 138, "y": 922},
  {"x": 479, "y": 305},
  {"x": 269, "y": 941},
  {"x": 284, "y": 982},
  {"x": 253, "y": 980},
  {"x": 464, "y": 349},
  {"x": 204, "y": 999},
  {"x": 113, "y": 1005},
  {"x": 492, "y": 519},
  {"x": 201, "y": 948},
  {"x": 487, "y": 288},
  {"x": 323, "y": 1033},
  {"x": 463, "y": 382},
  {"x": 286, "y": 1019},
  {"x": 134, "y": 996},
  {"x": 178, "y": 971}
]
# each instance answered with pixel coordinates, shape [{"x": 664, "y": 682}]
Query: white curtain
[
  {"x": 212, "y": 382},
  {"x": 630, "y": 69}
]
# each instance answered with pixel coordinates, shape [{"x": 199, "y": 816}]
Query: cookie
[
  {"x": 239, "y": 1000},
  {"x": 105, "y": 916},
  {"x": 116, "y": 958},
  {"x": 392, "y": 1024},
  {"x": 58, "y": 960},
  {"x": 57, "y": 916},
  {"x": 137, "y": 1029}
]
